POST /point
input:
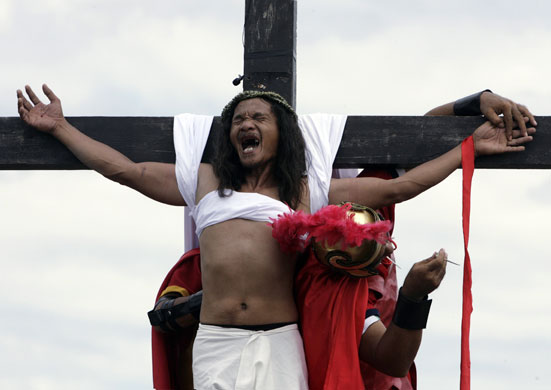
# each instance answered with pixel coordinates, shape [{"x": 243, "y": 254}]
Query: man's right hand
[
  {"x": 44, "y": 117},
  {"x": 425, "y": 276},
  {"x": 154, "y": 180}
]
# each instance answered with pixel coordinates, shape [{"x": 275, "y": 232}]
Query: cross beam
[
  {"x": 397, "y": 141},
  {"x": 270, "y": 64}
]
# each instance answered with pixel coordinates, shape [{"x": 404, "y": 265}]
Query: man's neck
[{"x": 259, "y": 179}]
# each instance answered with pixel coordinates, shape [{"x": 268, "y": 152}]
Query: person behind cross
[{"x": 248, "y": 336}]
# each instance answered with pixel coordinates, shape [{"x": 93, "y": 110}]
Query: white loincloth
[{"x": 232, "y": 358}]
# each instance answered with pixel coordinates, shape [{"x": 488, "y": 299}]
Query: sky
[{"x": 82, "y": 257}]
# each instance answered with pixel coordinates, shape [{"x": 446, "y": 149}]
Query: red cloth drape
[
  {"x": 332, "y": 312},
  {"x": 467, "y": 162},
  {"x": 165, "y": 347}
]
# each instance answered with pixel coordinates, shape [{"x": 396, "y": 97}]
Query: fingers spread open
[
  {"x": 22, "y": 102},
  {"x": 23, "y": 112},
  {"x": 25, "y": 103},
  {"x": 529, "y": 130},
  {"x": 32, "y": 95},
  {"x": 515, "y": 148},
  {"x": 519, "y": 140},
  {"x": 49, "y": 93}
]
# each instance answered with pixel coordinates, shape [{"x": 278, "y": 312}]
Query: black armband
[
  {"x": 469, "y": 105},
  {"x": 165, "y": 317},
  {"x": 193, "y": 305},
  {"x": 410, "y": 314}
]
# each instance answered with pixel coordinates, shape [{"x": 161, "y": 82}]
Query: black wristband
[
  {"x": 410, "y": 314},
  {"x": 469, "y": 105}
]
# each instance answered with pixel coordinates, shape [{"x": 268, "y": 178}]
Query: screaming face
[
  {"x": 249, "y": 142},
  {"x": 254, "y": 133}
]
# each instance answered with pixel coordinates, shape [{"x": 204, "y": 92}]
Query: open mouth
[{"x": 249, "y": 143}]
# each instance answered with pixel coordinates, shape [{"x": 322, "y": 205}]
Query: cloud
[
  {"x": 6, "y": 15},
  {"x": 83, "y": 257},
  {"x": 408, "y": 68},
  {"x": 126, "y": 53}
]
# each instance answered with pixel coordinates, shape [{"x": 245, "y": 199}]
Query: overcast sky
[{"x": 82, "y": 258}]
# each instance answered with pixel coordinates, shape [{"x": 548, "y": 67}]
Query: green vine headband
[{"x": 245, "y": 95}]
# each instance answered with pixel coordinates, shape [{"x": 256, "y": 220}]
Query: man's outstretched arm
[
  {"x": 392, "y": 350},
  {"x": 155, "y": 180},
  {"x": 376, "y": 193}
]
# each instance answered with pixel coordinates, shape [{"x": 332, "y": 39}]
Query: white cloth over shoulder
[
  {"x": 231, "y": 358},
  {"x": 190, "y": 138},
  {"x": 191, "y": 133},
  {"x": 322, "y": 134}
]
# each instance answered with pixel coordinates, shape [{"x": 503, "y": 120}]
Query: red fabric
[
  {"x": 382, "y": 295},
  {"x": 331, "y": 223},
  {"x": 165, "y": 347},
  {"x": 332, "y": 311},
  {"x": 383, "y": 292},
  {"x": 467, "y": 162}
]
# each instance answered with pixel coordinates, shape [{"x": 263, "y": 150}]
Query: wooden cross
[{"x": 270, "y": 64}]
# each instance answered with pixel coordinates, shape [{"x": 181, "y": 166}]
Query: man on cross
[{"x": 268, "y": 160}]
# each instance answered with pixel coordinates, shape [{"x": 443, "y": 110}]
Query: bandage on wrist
[
  {"x": 469, "y": 105},
  {"x": 410, "y": 314}
]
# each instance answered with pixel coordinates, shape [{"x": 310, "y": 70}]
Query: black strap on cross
[{"x": 270, "y": 64}]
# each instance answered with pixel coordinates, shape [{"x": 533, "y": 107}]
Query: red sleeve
[
  {"x": 383, "y": 291},
  {"x": 186, "y": 273},
  {"x": 165, "y": 347}
]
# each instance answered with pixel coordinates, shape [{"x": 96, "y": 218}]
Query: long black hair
[{"x": 289, "y": 167}]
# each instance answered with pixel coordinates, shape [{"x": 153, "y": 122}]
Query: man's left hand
[{"x": 489, "y": 139}]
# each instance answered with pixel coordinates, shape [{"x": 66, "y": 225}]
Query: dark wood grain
[{"x": 397, "y": 141}]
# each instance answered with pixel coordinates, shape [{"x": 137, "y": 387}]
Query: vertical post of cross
[{"x": 270, "y": 47}]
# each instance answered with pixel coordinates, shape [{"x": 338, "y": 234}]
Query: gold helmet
[{"x": 358, "y": 261}]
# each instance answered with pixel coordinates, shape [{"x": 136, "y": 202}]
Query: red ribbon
[{"x": 467, "y": 162}]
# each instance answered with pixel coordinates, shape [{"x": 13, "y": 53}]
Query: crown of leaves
[{"x": 273, "y": 97}]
